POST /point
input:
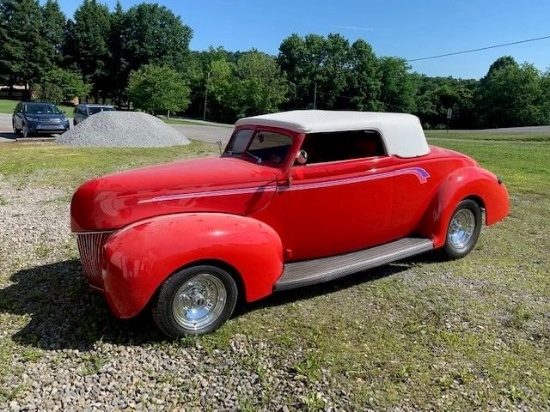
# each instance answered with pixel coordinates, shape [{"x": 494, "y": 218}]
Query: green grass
[
  {"x": 8, "y": 106},
  {"x": 523, "y": 166},
  {"x": 51, "y": 165},
  {"x": 181, "y": 122},
  {"x": 437, "y": 135},
  {"x": 178, "y": 121},
  {"x": 471, "y": 334}
]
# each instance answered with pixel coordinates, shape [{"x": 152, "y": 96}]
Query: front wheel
[
  {"x": 195, "y": 301},
  {"x": 15, "y": 129},
  {"x": 25, "y": 131},
  {"x": 463, "y": 230}
]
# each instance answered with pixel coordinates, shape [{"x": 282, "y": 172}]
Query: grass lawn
[
  {"x": 179, "y": 121},
  {"x": 8, "y": 106},
  {"x": 471, "y": 334},
  {"x": 437, "y": 135}
]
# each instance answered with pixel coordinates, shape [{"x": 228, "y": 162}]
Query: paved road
[
  {"x": 205, "y": 133},
  {"x": 511, "y": 130},
  {"x": 211, "y": 134}
]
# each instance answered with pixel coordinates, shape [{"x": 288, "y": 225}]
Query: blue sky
[{"x": 406, "y": 29}]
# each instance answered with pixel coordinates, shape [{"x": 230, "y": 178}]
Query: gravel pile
[{"x": 122, "y": 129}]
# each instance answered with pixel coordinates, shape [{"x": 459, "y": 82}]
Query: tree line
[{"x": 141, "y": 57}]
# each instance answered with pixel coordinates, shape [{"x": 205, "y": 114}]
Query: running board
[{"x": 310, "y": 272}]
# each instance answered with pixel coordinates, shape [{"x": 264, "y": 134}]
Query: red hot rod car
[{"x": 296, "y": 198}]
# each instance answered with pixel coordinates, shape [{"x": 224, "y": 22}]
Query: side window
[
  {"x": 348, "y": 145},
  {"x": 270, "y": 146}
]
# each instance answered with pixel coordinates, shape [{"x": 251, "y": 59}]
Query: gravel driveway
[{"x": 73, "y": 363}]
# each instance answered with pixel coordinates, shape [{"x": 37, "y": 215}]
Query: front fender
[
  {"x": 141, "y": 256},
  {"x": 469, "y": 182}
]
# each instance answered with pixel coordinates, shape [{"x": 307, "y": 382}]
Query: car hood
[{"x": 202, "y": 185}]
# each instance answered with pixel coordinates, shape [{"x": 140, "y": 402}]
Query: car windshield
[
  {"x": 97, "y": 109},
  {"x": 42, "y": 108},
  {"x": 259, "y": 147}
]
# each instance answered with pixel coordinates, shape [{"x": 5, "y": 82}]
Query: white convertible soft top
[{"x": 402, "y": 133}]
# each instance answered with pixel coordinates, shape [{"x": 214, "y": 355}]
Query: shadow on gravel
[{"x": 64, "y": 314}]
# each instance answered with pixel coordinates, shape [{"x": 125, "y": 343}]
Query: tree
[
  {"x": 500, "y": 63},
  {"x": 363, "y": 82},
  {"x": 398, "y": 87},
  {"x": 218, "y": 86},
  {"x": 197, "y": 72},
  {"x": 436, "y": 95},
  {"x": 157, "y": 89},
  {"x": 258, "y": 85},
  {"x": 152, "y": 34},
  {"x": 59, "y": 85},
  {"x": 54, "y": 30},
  {"x": 117, "y": 66},
  {"x": 545, "y": 96},
  {"x": 87, "y": 44},
  {"x": 328, "y": 73},
  {"x": 23, "y": 49},
  {"x": 512, "y": 95},
  {"x": 301, "y": 58},
  {"x": 316, "y": 69},
  {"x": 332, "y": 74}
]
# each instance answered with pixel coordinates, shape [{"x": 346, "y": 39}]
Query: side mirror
[{"x": 301, "y": 157}]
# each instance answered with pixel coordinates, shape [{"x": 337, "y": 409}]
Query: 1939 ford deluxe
[{"x": 296, "y": 198}]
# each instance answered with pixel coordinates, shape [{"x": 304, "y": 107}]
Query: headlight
[{"x": 32, "y": 119}]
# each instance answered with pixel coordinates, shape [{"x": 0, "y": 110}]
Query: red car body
[{"x": 261, "y": 210}]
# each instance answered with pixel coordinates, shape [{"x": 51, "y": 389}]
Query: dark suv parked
[
  {"x": 31, "y": 118},
  {"x": 83, "y": 111}
]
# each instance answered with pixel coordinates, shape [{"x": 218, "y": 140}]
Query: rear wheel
[
  {"x": 195, "y": 301},
  {"x": 463, "y": 230}
]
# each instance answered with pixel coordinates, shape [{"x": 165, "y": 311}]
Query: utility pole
[{"x": 206, "y": 95}]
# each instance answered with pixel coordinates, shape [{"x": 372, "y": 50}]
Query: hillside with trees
[{"x": 140, "y": 57}]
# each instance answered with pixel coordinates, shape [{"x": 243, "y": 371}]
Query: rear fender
[
  {"x": 140, "y": 257},
  {"x": 469, "y": 182}
]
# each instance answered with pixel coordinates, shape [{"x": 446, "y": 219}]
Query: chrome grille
[
  {"x": 50, "y": 120},
  {"x": 90, "y": 247}
]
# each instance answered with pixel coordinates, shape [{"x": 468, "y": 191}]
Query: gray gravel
[
  {"x": 122, "y": 129},
  {"x": 61, "y": 350}
]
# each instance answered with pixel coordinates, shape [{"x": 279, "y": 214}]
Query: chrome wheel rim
[
  {"x": 199, "y": 302},
  {"x": 461, "y": 229},
  {"x": 25, "y": 131}
]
